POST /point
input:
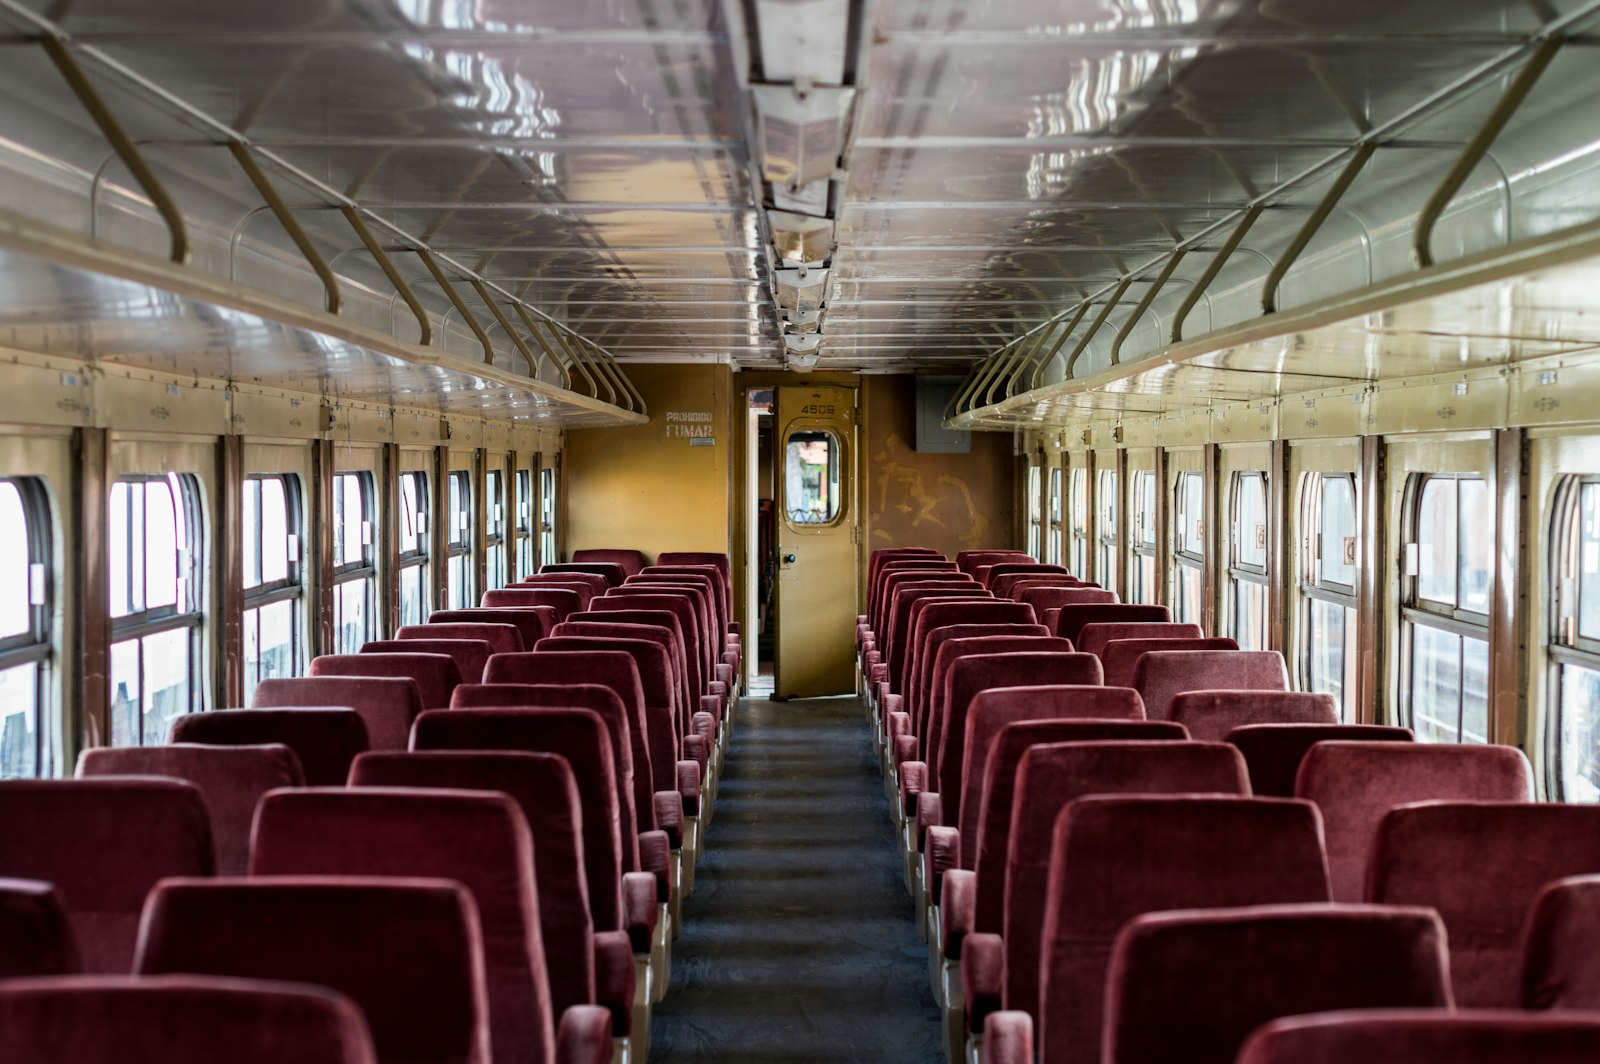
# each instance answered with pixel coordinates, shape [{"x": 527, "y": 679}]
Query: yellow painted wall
[
  {"x": 951, "y": 502},
  {"x": 645, "y": 487}
]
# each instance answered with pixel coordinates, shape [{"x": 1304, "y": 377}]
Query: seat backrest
[
  {"x": 628, "y": 600},
  {"x": 232, "y": 779},
  {"x": 544, "y": 789},
  {"x": 628, "y": 749},
  {"x": 341, "y": 933},
  {"x": 979, "y": 672},
  {"x": 1481, "y": 865},
  {"x": 697, "y": 557},
  {"x": 1073, "y": 616},
  {"x": 664, "y": 637},
  {"x": 324, "y": 739},
  {"x": 104, "y": 843},
  {"x": 386, "y": 704},
  {"x": 969, "y": 560},
  {"x": 35, "y": 932},
  {"x": 1191, "y": 853},
  {"x": 897, "y": 639},
  {"x": 719, "y": 582},
  {"x": 1092, "y": 638},
  {"x": 929, "y": 614},
  {"x": 1561, "y": 947},
  {"x": 920, "y": 686},
  {"x": 1274, "y": 751},
  {"x": 563, "y": 600},
  {"x": 1010, "y": 585},
  {"x": 928, "y": 697},
  {"x": 614, "y": 574},
  {"x": 579, "y": 736},
  {"x": 901, "y": 585},
  {"x": 436, "y": 675},
  {"x": 709, "y": 582},
  {"x": 470, "y": 655},
  {"x": 584, "y": 585},
  {"x": 655, "y": 619},
  {"x": 179, "y": 1019},
  {"x": 631, "y": 561},
  {"x": 1049, "y": 598},
  {"x": 1050, "y": 776},
  {"x": 1192, "y": 985},
  {"x": 1161, "y": 675},
  {"x": 476, "y": 838},
  {"x": 1121, "y": 656},
  {"x": 1356, "y": 784},
  {"x": 1212, "y": 715},
  {"x": 1425, "y": 1037},
  {"x": 699, "y": 596},
  {"x": 657, "y": 687},
  {"x": 999, "y": 569},
  {"x": 882, "y": 589},
  {"x": 503, "y": 638},
  {"x": 533, "y": 622}
]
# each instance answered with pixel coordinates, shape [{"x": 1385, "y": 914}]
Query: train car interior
[{"x": 799, "y": 532}]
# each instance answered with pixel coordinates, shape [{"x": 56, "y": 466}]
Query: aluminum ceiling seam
[{"x": 181, "y": 109}]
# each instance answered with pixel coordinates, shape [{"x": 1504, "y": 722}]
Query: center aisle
[{"x": 798, "y": 944}]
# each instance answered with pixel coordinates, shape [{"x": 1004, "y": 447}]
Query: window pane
[
  {"x": 1337, "y": 532},
  {"x": 1189, "y": 594},
  {"x": 524, "y": 500},
  {"x": 413, "y": 512},
  {"x": 1477, "y": 544},
  {"x": 413, "y": 598},
  {"x": 811, "y": 478},
  {"x": 460, "y": 509},
  {"x": 495, "y": 567},
  {"x": 1474, "y": 690},
  {"x": 460, "y": 579},
  {"x": 494, "y": 505},
  {"x": 1588, "y": 548},
  {"x": 1579, "y": 716},
  {"x": 1144, "y": 491},
  {"x": 151, "y": 686},
  {"x": 122, "y": 602},
  {"x": 16, "y": 618},
  {"x": 352, "y": 537},
  {"x": 269, "y": 643},
  {"x": 1052, "y": 543},
  {"x": 1144, "y": 578},
  {"x": 160, "y": 545},
  {"x": 1435, "y": 684},
  {"x": 125, "y": 729},
  {"x": 1032, "y": 495},
  {"x": 547, "y": 517},
  {"x": 19, "y": 722},
  {"x": 350, "y": 600},
  {"x": 252, "y": 532},
  {"x": 1080, "y": 522},
  {"x": 1250, "y": 614},
  {"x": 1331, "y": 640},
  {"x": 1250, "y": 520},
  {"x": 1436, "y": 542},
  {"x": 1191, "y": 513},
  {"x": 275, "y": 531}
]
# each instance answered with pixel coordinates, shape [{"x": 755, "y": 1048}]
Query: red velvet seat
[
  {"x": 718, "y": 578},
  {"x": 697, "y": 557},
  {"x": 613, "y": 573},
  {"x": 1212, "y": 715},
  {"x": 1162, "y": 675},
  {"x": 436, "y": 675},
  {"x": 1192, "y": 985},
  {"x": 562, "y": 600},
  {"x": 1051, "y": 598},
  {"x": 630, "y": 561},
  {"x": 1274, "y": 751},
  {"x": 1072, "y": 618},
  {"x": 679, "y": 605},
  {"x": 706, "y": 582},
  {"x": 387, "y": 704},
  {"x": 684, "y": 694},
  {"x": 178, "y": 1019},
  {"x": 408, "y": 952},
  {"x": 1355, "y": 784},
  {"x": 476, "y": 838},
  {"x": 699, "y": 596},
  {"x": 533, "y": 622},
  {"x": 1092, "y": 638},
  {"x": 35, "y": 932},
  {"x": 585, "y": 585},
  {"x": 1481, "y": 865},
  {"x": 929, "y": 614},
  {"x": 925, "y": 695},
  {"x": 881, "y": 569},
  {"x": 232, "y": 779},
  {"x": 1425, "y": 1037},
  {"x": 1120, "y": 657},
  {"x": 324, "y": 739},
  {"x": 104, "y": 843},
  {"x": 969, "y": 560},
  {"x": 901, "y": 574},
  {"x": 999, "y": 569},
  {"x": 1011, "y": 585},
  {"x": 1561, "y": 946},
  {"x": 503, "y": 638},
  {"x": 470, "y": 655},
  {"x": 694, "y": 681},
  {"x": 897, "y": 638},
  {"x": 897, "y": 585}
]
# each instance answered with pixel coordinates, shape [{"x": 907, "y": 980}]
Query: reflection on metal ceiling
[{"x": 1055, "y": 191}]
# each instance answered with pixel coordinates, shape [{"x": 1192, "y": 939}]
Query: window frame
[
  {"x": 1079, "y": 518},
  {"x": 1054, "y": 516},
  {"x": 1184, "y": 559},
  {"x": 1107, "y": 534},
  {"x": 1035, "y": 511},
  {"x": 1143, "y": 494},
  {"x": 1241, "y": 572},
  {"x": 34, "y": 647},
  {"x": 549, "y": 552},
  {"x": 421, "y": 556},
  {"x": 1313, "y": 588},
  {"x": 365, "y": 569},
  {"x": 459, "y": 534},
  {"x": 494, "y": 527},
  {"x": 1564, "y": 650},
  {"x": 523, "y": 539},
  {"x": 291, "y": 587}
]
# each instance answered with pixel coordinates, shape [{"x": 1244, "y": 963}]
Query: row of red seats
[
  {"x": 583, "y": 728},
  {"x": 1076, "y": 797}
]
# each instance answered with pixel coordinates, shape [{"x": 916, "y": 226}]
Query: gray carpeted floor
[{"x": 798, "y": 944}]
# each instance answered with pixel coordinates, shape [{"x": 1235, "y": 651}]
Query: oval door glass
[{"x": 811, "y": 477}]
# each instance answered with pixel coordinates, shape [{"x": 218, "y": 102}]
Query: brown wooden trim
[
  {"x": 480, "y": 519},
  {"x": 1091, "y": 552},
  {"x": 1508, "y": 617},
  {"x": 1369, "y": 594},
  {"x": 1124, "y": 533},
  {"x": 560, "y": 516},
  {"x": 321, "y": 535},
  {"x": 536, "y": 500},
  {"x": 1279, "y": 559},
  {"x": 1213, "y": 538},
  {"x": 88, "y": 708},
  {"x": 227, "y": 636},
  {"x": 388, "y": 552},
  {"x": 439, "y": 530},
  {"x": 1163, "y": 518}
]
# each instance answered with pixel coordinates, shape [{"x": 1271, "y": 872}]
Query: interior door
[{"x": 817, "y": 541}]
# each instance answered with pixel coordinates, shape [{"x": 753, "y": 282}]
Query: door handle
[{"x": 788, "y": 559}]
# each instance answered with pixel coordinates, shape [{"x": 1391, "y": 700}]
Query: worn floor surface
[{"x": 798, "y": 945}]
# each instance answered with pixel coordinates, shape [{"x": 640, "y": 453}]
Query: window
[
  {"x": 272, "y": 587},
  {"x": 1035, "y": 512},
  {"x": 1107, "y": 566},
  {"x": 494, "y": 529},
  {"x": 1328, "y": 572},
  {"x": 1052, "y": 543},
  {"x": 458, "y": 541},
  {"x": 414, "y": 597},
  {"x": 24, "y": 627},
  {"x": 1078, "y": 549},
  {"x": 1247, "y": 569},
  {"x": 1189, "y": 548},
  {"x": 811, "y": 477},
  {"x": 155, "y": 523},
  {"x": 523, "y": 530},
  {"x": 1142, "y": 578},
  {"x": 355, "y": 572},
  {"x": 1575, "y": 642},
  {"x": 548, "y": 552},
  {"x": 1445, "y": 615}
]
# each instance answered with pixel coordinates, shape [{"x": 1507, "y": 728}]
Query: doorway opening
[{"x": 762, "y": 530}]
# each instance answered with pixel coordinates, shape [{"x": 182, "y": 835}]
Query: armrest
[
  {"x": 704, "y": 723},
  {"x": 711, "y": 706},
  {"x": 725, "y": 676},
  {"x": 613, "y": 978},
  {"x": 897, "y": 724},
  {"x": 735, "y": 628},
  {"x": 730, "y": 661},
  {"x": 695, "y": 750},
  {"x": 880, "y": 672},
  {"x": 941, "y": 852},
  {"x": 1008, "y": 1039},
  {"x": 905, "y": 749},
  {"x": 930, "y": 813},
  {"x": 639, "y": 909},
  {"x": 689, "y": 776},
  {"x": 861, "y": 619},
  {"x": 959, "y": 909},
  {"x": 669, "y": 816},
  {"x": 655, "y": 858},
  {"x": 584, "y": 1036},
  {"x": 983, "y": 973},
  {"x": 913, "y": 777}
]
